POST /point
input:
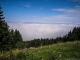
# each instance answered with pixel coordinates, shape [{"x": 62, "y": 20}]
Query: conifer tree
[
  {"x": 4, "y": 32},
  {"x": 17, "y": 36},
  {"x": 11, "y": 34},
  {"x": 8, "y": 37}
]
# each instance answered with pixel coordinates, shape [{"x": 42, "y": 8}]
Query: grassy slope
[
  {"x": 58, "y": 51},
  {"x": 62, "y": 51}
]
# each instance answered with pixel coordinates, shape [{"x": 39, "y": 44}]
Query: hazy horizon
[{"x": 41, "y": 18}]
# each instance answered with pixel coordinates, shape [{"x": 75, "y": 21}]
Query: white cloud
[
  {"x": 69, "y": 11},
  {"x": 28, "y": 6},
  {"x": 31, "y": 31},
  {"x": 70, "y": 14},
  {"x": 63, "y": 10},
  {"x": 62, "y": 19}
]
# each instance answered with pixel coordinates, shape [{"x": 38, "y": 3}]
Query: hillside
[
  {"x": 58, "y": 51},
  {"x": 64, "y": 51}
]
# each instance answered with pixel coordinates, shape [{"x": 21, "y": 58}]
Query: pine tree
[
  {"x": 17, "y": 36},
  {"x": 11, "y": 34},
  {"x": 4, "y": 32}
]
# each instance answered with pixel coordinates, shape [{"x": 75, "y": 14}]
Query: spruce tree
[
  {"x": 4, "y": 32},
  {"x": 8, "y": 38},
  {"x": 17, "y": 36},
  {"x": 12, "y": 38}
]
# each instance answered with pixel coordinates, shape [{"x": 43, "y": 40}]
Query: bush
[{"x": 21, "y": 56}]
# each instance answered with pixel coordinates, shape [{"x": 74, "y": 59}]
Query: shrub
[{"x": 21, "y": 56}]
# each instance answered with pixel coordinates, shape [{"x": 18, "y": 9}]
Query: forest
[{"x": 12, "y": 39}]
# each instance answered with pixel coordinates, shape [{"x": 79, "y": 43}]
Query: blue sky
[
  {"x": 40, "y": 13},
  {"x": 37, "y": 10}
]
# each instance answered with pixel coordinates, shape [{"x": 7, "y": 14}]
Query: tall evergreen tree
[
  {"x": 11, "y": 35},
  {"x": 17, "y": 36},
  {"x": 8, "y": 38},
  {"x": 4, "y": 32}
]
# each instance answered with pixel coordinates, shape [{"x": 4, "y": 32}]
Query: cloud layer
[
  {"x": 33, "y": 31},
  {"x": 49, "y": 26}
]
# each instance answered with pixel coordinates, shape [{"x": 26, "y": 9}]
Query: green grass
[
  {"x": 59, "y": 51},
  {"x": 64, "y": 51}
]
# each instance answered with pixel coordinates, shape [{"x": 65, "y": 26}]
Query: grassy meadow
[{"x": 59, "y": 51}]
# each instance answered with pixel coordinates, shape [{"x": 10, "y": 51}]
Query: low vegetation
[{"x": 64, "y": 51}]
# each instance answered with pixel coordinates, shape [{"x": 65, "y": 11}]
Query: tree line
[
  {"x": 10, "y": 39},
  {"x": 71, "y": 36}
]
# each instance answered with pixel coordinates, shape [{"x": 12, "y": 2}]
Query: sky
[{"x": 41, "y": 18}]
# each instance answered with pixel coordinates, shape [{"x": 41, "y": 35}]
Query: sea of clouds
[{"x": 33, "y": 31}]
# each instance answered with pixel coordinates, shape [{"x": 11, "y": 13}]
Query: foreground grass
[{"x": 60, "y": 51}]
